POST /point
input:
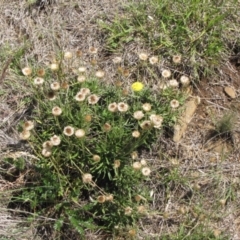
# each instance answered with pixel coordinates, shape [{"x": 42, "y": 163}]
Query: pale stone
[{"x": 230, "y": 91}]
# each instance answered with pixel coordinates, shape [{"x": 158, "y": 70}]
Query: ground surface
[{"x": 210, "y": 165}]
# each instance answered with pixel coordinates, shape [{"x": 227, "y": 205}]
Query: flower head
[
  {"x": 54, "y": 67},
  {"x": 128, "y": 211},
  {"x": 28, "y": 125},
  {"x": 46, "y": 152},
  {"x": 80, "y": 97},
  {"x": 101, "y": 199},
  {"x": 166, "y": 73},
  {"x": 137, "y": 165},
  {"x": 27, "y": 71},
  {"x": 40, "y": 72},
  {"x": 107, "y": 127},
  {"x": 68, "y": 55},
  {"x": 136, "y": 134},
  {"x": 93, "y": 99},
  {"x": 117, "y": 60},
  {"x": 55, "y": 86},
  {"x": 79, "y": 133},
  {"x": 96, "y": 158},
  {"x": 143, "y": 56},
  {"x": 143, "y": 162},
  {"x": 177, "y": 58},
  {"x": 146, "y": 107},
  {"x": 109, "y": 197},
  {"x": 116, "y": 164},
  {"x": 113, "y": 107},
  {"x": 51, "y": 95},
  {"x": 156, "y": 120},
  {"x": 87, "y": 177},
  {"x": 81, "y": 78},
  {"x": 100, "y": 74},
  {"x": 85, "y": 91},
  {"x": 173, "y": 83},
  {"x": 82, "y": 69},
  {"x": 93, "y": 50},
  {"x": 47, "y": 145},
  {"x": 137, "y": 86},
  {"x": 134, "y": 155},
  {"x": 38, "y": 81},
  {"x": 174, "y": 103},
  {"x": 153, "y": 60},
  {"x": 184, "y": 80},
  {"x": 55, "y": 140},
  {"x": 146, "y": 171},
  {"x": 56, "y": 111},
  {"x": 25, "y": 134},
  {"x": 138, "y": 115},
  {"x": 68, "y": 131},
  {"x": 146, "y": 125},
  {"x": 122, "y": 107}
]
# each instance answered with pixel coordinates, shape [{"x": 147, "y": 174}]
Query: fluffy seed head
[
  {"x": 134, "y": 155},
  {"x": 117, "y": 60},
  {"x": 27, "y": 71},
  {"x": 100, "y": 74},
  {"x": 82, "y": 69},
  {"x": 68, "y": 55},
  {"x": 55, "y": 140},
  {"x": 143, "y": 56},
  {"x": 173, "y": 83},
  {"x": 136, "y": 134},
  {"x": 153, "y": 60},
  {"x": 109, "y": 198},
  {"x": 68, "y": 131},
  {"x": 46, "y": 152},
  {"x": 28, "y": 125},
  {"x": 143, "y": 162},
  {"x": 113, "y": 107},
  {"x": 138, "y": 115},
  {"x": 79, "y": 133},
  {"x": 156, "y": 120},
  {"x": 107, "y": 127},
  {"x": 25, "y": 134},
  {"x": 166, "y": 73},
  {"x": 80, "y": 97},
  {"x": 177, "y": 59},
  {"x": 93, "y": 99},
  {"x": 81, "y": 78},
  {"x": 55, "y": 86},
  {"x": 47, "y": 145},
  {"x": 38, "y": 81},
  {"x": 128, "y": 211},
  {"x": 146, "y": 107},
  {"x": 184, "y": 80},
  {"x": 146, "y": 171},
  {"x": 137, "y": 165},
  {"x": 54, "y": 67},
  {"x": 87, "y": 177},
  {"x": 116, "y": 164},
  {"x": 56, "y": 111},
  {"x": 101, "y": 199},
  {"x": 93, "y": 50},
  {"x": 122, "y": 107},
  {"x": 174, "y": 103},
  {"x": 85, "y": 91},
  {"x": 146, "y": 125},
  {"x": 96, "y": 158}
]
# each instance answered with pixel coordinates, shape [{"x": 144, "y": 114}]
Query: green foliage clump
[{"x": 87, "y": 136}]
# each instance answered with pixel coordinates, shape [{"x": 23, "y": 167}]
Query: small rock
[{"x": 230, "y": 91}]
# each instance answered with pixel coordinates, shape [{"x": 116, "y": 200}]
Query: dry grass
[{"x": 191, "y": 179}]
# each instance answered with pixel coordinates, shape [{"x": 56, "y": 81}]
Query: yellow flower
[{"x": 137, "y": 86}]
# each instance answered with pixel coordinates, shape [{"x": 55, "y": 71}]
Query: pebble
[{"x": 230, "y": 91}]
